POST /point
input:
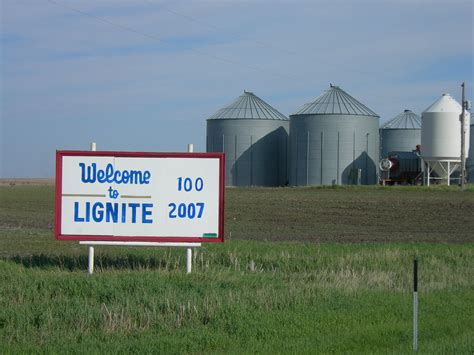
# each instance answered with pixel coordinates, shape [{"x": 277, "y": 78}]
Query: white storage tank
[
  {"x": 470, "y": 160},
  {"x": 441, "y": 139}
]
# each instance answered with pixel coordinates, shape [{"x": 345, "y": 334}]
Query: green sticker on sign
[{"x": 209, "y": 235}]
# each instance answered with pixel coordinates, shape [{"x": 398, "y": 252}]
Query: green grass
[
  {"x": 248, "y": 295},
  {"x": 241, "y": 297}
]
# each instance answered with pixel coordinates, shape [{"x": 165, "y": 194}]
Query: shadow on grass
[{"x": 80, "y": 262}]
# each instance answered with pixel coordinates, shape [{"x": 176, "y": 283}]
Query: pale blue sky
[{"x": 144, "y": 75}]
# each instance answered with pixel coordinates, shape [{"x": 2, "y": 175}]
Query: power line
[
  {"x": 214, "y": 27},
  {"x": 102, "y": 19},
  {"x": 256, "y": 41},
  {"x": 162, "y": 40}
]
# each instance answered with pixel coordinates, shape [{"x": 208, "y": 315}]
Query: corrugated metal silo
[
  {"x": 401, "y": 134},
  {"x": 254, "y": 137},
  {"x": 334, "y": 140}
]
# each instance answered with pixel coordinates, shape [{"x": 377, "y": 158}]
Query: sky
[{"x": 144, "y": 75}]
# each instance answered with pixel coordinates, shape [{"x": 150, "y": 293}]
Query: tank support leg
[
  {"x": 449, "y": 173},
  {"x": 428, "y": 174}
]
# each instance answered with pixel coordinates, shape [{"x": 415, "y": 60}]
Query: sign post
[
  {"x": 90, "y": 264},
  {"x": 415, "y": 305},
  {"x": 139, "y": 199},
  {"x": 189, "y": 251}
]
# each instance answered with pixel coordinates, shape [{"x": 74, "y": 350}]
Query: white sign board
[{"x": 139, "y": 196}]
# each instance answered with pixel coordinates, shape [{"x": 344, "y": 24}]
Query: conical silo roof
[
  {"x": 405, "y": 120},
  {"x": 335, "y": 101},
  {"x": 445, "y": 103},
  {"x": 248, "y": 106}
]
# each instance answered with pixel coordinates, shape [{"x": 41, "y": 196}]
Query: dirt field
[
  {"x": 352, "y": 214},
  {"x": 32, "y": 182},
  {"x": 341, "y": 215}
]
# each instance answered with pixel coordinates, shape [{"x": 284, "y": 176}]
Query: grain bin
[
  {"x": 334, "y": 139},
  {"x": 441, "y": 140},
  {"x": 254, "y": 137},
  {"x": 400, "y": 134}
]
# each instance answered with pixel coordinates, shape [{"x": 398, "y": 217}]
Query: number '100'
[
  {"x": 186, "y": 184},
  {"x": 183, "y": 210}
]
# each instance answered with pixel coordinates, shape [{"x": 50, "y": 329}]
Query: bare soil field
[
  {"x": 32, "y": 182},
  {"x": 352, "y": 214},
  {"x": 321, "y": 215}
]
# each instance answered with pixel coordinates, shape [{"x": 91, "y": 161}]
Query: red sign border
[{"x": 166, "y": 239}]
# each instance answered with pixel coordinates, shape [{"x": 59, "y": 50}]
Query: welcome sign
[{"x": 121, "y": 196}]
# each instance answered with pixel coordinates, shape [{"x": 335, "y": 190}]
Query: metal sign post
[
  {"x": 90, "y": 264},
  {"x": 415, "y": 305},
  {"x": 188, "y": 247},
  {"x": 189, "y": 251}
]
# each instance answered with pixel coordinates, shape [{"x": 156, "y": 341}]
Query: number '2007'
[{"x": 183, "y": 210}]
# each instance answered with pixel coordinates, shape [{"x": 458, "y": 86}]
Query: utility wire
[
  {"x": 259, "y": 42},
  {"x": 236, "y": 35},
  {"x": 162, "y": 40},
  {"x": 214, "y": 27}
]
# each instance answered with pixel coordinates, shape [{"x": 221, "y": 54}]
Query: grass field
[{"x": 303, "y": 270}]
